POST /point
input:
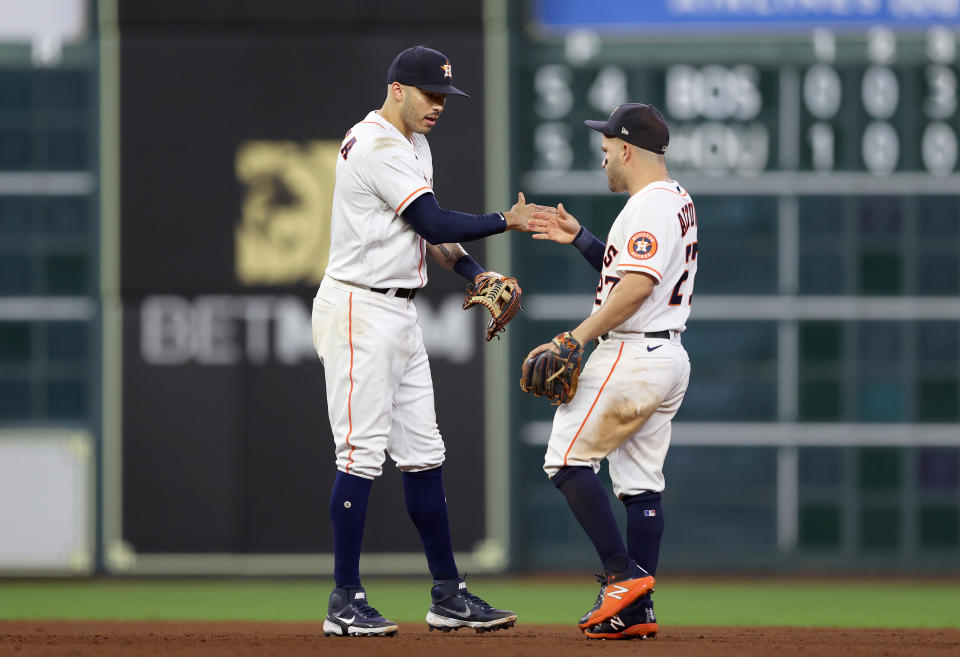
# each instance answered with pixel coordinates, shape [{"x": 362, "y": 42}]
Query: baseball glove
[
  {"x": 554, "y": 372},
  {"x": 498, "y": 294}
]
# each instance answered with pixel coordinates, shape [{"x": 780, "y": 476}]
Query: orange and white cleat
[
  {"x": 617, "y": 592},
  {"x": 637, "y": 621}
]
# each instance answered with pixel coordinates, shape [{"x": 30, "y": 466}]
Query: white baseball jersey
[
  {"x": 632, "y": 385},
  {"x": 379, "y": 173},
  {"x": 656, "y": 234}
]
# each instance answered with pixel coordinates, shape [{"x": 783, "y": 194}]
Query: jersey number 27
[{"x": 677, "y": 297}]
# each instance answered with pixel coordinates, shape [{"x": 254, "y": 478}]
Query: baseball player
[
  {"x": 385, "y": 222},
  {"x": 635, "y": 380}
]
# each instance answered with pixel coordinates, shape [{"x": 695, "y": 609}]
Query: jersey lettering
[
  {"x": 605, "y": 280},
  {"x": 346, "y": 147},
  {"x": 691, "y": 255},
  {"x": 611, "y": 254},
  {"x": 676, "y": 298},
  {"x": 687, "y": 217}
]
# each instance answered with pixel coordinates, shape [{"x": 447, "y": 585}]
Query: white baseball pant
[{"x": 628, "y": 393}]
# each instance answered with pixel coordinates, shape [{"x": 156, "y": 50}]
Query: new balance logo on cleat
[
  {"x": 636, "y": 621},
  {"x": 617, "y": 592}
]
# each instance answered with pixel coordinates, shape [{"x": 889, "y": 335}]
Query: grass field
[{"x": 537, "y": 600}]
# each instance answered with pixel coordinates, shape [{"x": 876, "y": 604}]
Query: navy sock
[
  {"x": 591, "y": 507},
  {"x": 427, "y": 506},
  {"x": 348, "y": 512},
  {"x": 644, "y": 529}
]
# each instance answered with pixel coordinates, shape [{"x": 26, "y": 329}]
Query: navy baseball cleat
[
  {"x": 636, "y": 621},
  {"x": 350, "y": 615},
  {"x": 617, "y": 591},
  {"x": 453, "y": 607}
]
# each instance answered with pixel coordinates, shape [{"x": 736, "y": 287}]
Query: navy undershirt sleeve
[
  {"x": 467, "y": 267},
  {"x": 591, "y": 248},
  {"x": 439, "y": 226}
]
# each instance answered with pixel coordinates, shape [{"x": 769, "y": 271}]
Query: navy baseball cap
[
  {"x": 637, "y": 124},
  {"x": 425, "y": 68}
]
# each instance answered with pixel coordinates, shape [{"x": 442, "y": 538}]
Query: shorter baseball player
[{"x": 621, "y": 406}]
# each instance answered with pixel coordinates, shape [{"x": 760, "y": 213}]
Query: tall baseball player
[
  {"x": 385, "y": 222},
  {"x": 634, "y": 382}
]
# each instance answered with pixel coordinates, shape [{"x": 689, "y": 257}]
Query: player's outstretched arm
[{"x": 439, "y": 226}]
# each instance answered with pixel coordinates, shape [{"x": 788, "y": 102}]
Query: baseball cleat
[
  {"x": 636, "y": 621},
  {"x": 349, "y": 615},
  {"x": 453, "y": 607},
  {"x": 617, "y": 591}
]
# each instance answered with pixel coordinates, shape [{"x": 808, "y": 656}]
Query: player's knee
[
  {"x": 563, "y": 474},
  {"x": 425, "y": 473},
  {"x": 551, "y": 470},
  {"x": 641, "y": 498}
]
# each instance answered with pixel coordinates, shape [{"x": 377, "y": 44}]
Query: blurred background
[{"x": 166, "y": 172}]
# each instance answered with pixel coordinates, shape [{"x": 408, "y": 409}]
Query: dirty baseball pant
[
  {"x": 379, "y": 388},
  {"x": 629, "y": 391}
]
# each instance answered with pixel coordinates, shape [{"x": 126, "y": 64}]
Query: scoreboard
[
  {"x": 819, "y": 141},
  {"x": 878, "y": 102}
]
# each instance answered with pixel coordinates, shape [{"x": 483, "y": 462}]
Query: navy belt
[{"x": 402, "y": 292}]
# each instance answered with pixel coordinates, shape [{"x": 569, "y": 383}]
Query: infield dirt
[{"x": 109, "y": 638}]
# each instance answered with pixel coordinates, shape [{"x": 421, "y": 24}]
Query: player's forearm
[
  {"x": 439, "y": 226},
  {"x": 454, "y": 257},
  {"x": 599, "y": 323},
  {"x": 446, "y": 255},
  {"x": 591, "y": 248},
  {"x": 623, "y": 302}
]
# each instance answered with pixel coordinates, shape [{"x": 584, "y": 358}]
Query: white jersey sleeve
[{"x": 647, "y": 243}]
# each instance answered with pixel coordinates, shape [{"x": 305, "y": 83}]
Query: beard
[
  {"x": 417, "y": 122},
  {"x": 614, "y": 180}
]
